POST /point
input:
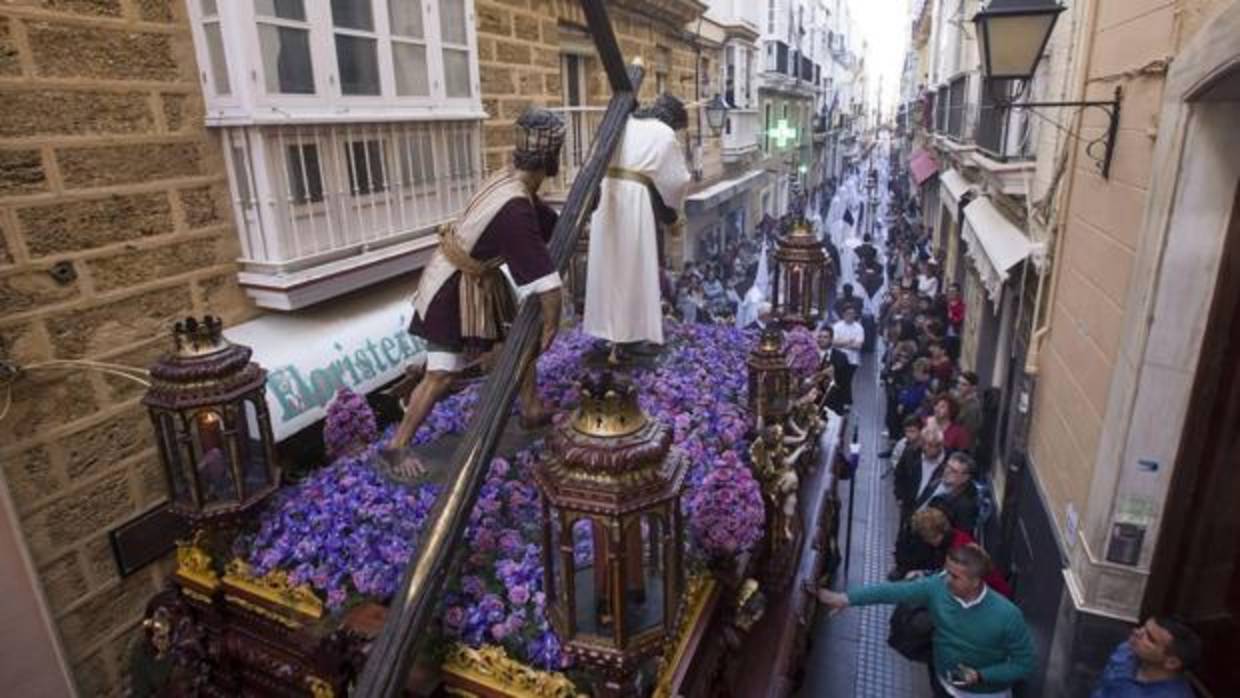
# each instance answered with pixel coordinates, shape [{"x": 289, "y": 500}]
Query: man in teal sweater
[{"x": 981, "y": 643}]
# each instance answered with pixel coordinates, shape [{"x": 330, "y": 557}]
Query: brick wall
[{"x": 106, "y": 170}]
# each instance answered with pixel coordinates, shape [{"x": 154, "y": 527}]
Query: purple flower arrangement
[
  {"x": 343, "y": 530},
  {"x": 349, "y": 533},
  {"x": 802, "y": 349},
  {"x": 726, "y": 513},
  {"x": 349, "y": 426}
]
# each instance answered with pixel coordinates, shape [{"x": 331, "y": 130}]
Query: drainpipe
[{"x": 1033, "y": 356}]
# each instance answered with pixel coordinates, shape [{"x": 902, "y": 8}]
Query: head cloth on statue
[
  {"x": 667, "y": 109},
  {"x": 539, "y": 135}
]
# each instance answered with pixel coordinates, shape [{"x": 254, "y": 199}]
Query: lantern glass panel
[
  {"x": 1014, "y": 43},
  {"x": 255, "y": 470},
  {"x": 556, "y": 556},
  {"x": 643, "y": 572},
  {"x": 175, "y": 458},
  {"x": 212, "y": 459},
  {"x": 593, "y": 609}
]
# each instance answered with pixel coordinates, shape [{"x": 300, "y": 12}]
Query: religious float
[{"x": 653, "y": 542}]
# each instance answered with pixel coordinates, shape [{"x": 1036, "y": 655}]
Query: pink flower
[{"x": 519, "y": 595}]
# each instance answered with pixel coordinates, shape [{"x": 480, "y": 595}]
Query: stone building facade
[
  {"x": 1108, "y": 418},
  {"x": 115, "y": 222}
]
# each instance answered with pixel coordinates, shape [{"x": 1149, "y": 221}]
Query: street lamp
[
  {"x": 1012, "y": 35},
  {"x": 716, "y": 112}
]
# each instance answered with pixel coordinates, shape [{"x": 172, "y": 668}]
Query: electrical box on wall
[{"x": 1124, "y": 547}]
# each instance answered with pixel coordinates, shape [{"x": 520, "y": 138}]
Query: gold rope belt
[
  {"x": 486, "y": 302},
  {"x": 630, "y": 175}
]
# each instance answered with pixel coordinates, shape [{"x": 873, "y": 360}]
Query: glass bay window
[
  {"x": 351, "y": 130},
  {"x": 276, "y": 61}
]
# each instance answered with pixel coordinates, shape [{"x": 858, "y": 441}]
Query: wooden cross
[{"x": 409, "y": 614}]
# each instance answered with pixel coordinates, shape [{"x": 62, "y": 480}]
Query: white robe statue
[{"x": 622, "y": 279}]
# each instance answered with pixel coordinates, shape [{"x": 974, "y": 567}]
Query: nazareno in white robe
[{"x": 622, "y": 276}]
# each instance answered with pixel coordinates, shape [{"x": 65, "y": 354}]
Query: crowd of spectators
[{"x": 710, "y": 289}]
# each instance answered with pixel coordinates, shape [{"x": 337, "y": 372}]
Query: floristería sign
[{"x": 359, "y": 342}]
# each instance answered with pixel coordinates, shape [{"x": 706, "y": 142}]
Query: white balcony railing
[
  {"x": 324, "y": 209},
  {"x": 582, "y": 124},
  {"x": 740, "y": 134}
]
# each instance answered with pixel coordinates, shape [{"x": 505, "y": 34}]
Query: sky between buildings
[{"x": 884, "y": 26}]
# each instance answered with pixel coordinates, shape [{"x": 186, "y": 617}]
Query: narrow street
[{"x": 849, "y": 655}]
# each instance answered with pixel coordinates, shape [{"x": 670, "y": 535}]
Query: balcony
[
  {"x": 1005, "y": 140},
  {"x": 324, "y": 209},
  {"x": 740, "y": 135},
  {"x": 581, "y": 125}
]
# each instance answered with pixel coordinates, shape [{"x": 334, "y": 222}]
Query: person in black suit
[
  {"x": 839, "y": 396},
  {"x": 953, "y": 494},
  {"x": 956, "y": 495},
  {"x": 919, "y": 472}
]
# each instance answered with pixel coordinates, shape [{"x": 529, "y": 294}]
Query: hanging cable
[{"x": 10, "y": 372}]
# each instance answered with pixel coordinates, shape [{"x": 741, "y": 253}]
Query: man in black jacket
[
  {"x": 919, "y": 473},
  {"x": 839, "y": 396},
  {"x": 956, "y": 495}
]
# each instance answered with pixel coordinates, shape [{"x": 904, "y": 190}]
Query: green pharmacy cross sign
[{"x": 782, "y": 133}]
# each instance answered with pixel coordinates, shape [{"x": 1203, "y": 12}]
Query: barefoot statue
[
  {"x": 464, "y": 300},
  {"x": 645, "y": 186}
]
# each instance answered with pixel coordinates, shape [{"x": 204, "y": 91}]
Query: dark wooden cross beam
[{"x": 410, "y": 612}]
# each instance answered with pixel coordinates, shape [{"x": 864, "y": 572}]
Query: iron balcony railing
[
  {"x": 1002, "y": 133},
  {"x": 957, "y": 108}
]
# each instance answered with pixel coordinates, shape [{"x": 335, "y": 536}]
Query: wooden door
[{"x": 1196, "y": 570}]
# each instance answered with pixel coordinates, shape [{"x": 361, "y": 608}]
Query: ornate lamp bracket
[{"x": 1106, "y": 141}]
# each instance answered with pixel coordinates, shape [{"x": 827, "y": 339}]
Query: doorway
[{"x": 1196, "y": 569}]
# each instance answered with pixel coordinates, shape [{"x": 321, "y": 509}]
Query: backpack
[{"x": 910, "y": 632}]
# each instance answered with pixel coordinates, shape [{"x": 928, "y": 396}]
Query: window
[
  {"x": 729, "y": 76},
  {"x": 371, "y": 57},
  {"x": 408, "y": 47},
  {"x": 748, "y": 77},
  {"x": 218, "y": 73},
  {"x": 454, "y": 36},
  {"x": 304, "y": 175},
  {"x": 770, "y": 13},
  {"x": 357, "y": 56},
  {"x": 766, "y": 132},
  {"x": 364, "y": 162},
  {"x": 284, "y": 38}
]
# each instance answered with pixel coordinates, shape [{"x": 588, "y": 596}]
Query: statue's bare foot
[{"x": 400, "y": 465}]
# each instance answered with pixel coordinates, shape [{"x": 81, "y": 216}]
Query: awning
[
  {"x": 922, "y": 165},
  {"x": 359, "y": 341},
  {"x": 717, "y": 193},
  {"x": 995, "y": 244},
  {"x": 952, "y": 187}
]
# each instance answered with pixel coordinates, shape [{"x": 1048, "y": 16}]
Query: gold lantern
[
  {"x": 612, "y": 534},
  {"x": 770, "y": 379},
  {"x": 802, "y": 277},
  {"x": 208, "y": 406}
]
